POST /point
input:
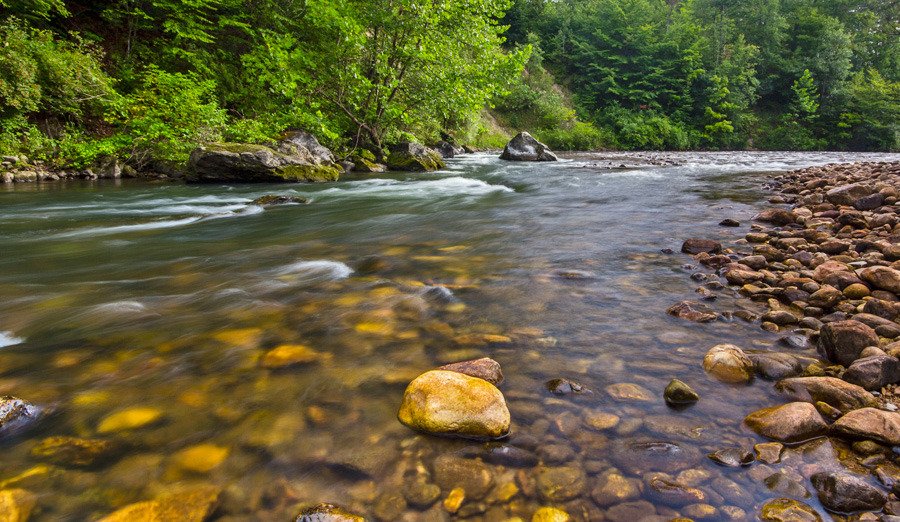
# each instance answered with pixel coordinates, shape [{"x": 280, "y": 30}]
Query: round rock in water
[
  {"x": 448, "y": 403},
  {"x": 728, "y": 363},
  {"x": 679, "y": 393},
  {"x": 732, "y": 457},
  {"x": 523, "y": 147},
  {"x": 788, "y": 510}
]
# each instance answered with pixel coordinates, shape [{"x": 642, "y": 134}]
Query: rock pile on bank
[{"x": 827, "y": 266}]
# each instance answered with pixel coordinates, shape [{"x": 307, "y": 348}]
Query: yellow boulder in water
[
  {"x": 448, "y": 403},
  {"x": 130, "y": 419},
  {"x": 289, "y": 355},
  {"x": 16, "y": 505},
  {"x": 201, "y": 458},
  {"x": 194, "y": 504}
]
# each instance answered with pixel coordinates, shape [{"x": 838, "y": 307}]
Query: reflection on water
[{"x": 196, "y": 338}]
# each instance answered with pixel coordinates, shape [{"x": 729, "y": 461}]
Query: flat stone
[
  {"x": 693, "y": 311},
  {"x": 832, "y": 391},
  {"x": 846, "y": 493},
  {"x": 882, "y": 278},
  {"x": 870, "y": 423},
  {"x": 472, "y": 476},
  {"x": 194, "y": 504},
  {"x": 627, "y": 391},
  {"x": 698, "y": 246},
  {"x": 788, "y": 510},
  {"x": 287, "y": 355},
  {"x": 614, "y": 488},
  {"x": 561, "y": 483},
  {"x": 792, "y": 422},
  {"x": 484, "y": 368},
  {"x": 873, "y": 373},
  {"x": 73, "y": 451},
  {"x": 130, "y": 419}
]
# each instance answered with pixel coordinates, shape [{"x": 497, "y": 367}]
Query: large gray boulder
[
  {"x": 413, "y": 157},
  {"x": 298, "y": 157},
  {"x": 523, "y": 147}
]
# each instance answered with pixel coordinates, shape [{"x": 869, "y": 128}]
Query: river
[{"x": 159, "y": 299}]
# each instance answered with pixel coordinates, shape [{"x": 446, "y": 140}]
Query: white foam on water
[
  {"x": 8, "y": 339},
  {"x": 421, "y": 188},
  {"x": 317, "y": 270},
  {"x": 105, "y": 231},
  {"x": 125, "y": 307}
]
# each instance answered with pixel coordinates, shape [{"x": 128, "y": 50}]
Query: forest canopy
[{"x": 148, "y": 80}]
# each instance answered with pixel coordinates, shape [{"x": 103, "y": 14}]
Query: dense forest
[{"x": 147, "y": 80}]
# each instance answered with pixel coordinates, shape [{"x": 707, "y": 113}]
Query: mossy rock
[
  {"x": 250, "y": 163},
  {"x": 309, "y": 173},
  {"x": 413, "y": 157}
]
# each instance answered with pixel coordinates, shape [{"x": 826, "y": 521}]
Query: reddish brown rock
[
  {"x": 870, "y": 423},
  {"x": 484, "y": 368},
  {"x": 830, "y": 390},
  {"x": 842, "y": 341},
  {"x": 792, "y": 422},
  {"x": 700, "y": 246}
]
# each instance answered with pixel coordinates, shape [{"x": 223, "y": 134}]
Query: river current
[{"x": 158, "y": 301}]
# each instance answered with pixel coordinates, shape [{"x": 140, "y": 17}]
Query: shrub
[
  {"x": 648, "y": 130},
  {"x": 577, "y": 136}
]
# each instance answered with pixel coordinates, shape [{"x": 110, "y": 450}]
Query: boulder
[
  {"x": 679, "y": 393},
  {"x": 842, "y": 341},
  {"x": 693, "y": 311},
  {"x": 484, "y": 368},
  {"x": 792, "y": 422},
  {"x": 882, "y": 278},
  {"x": 523, "y": 147},
  {"x": 247, "y": 163},
  {"x": 873, "y": 373},
  {"x": 870, "y": 423},
  {"x": 697, "y": 246},
  {"x": 413, "y": 157},
  {"x": 849, "y": 194},
  {"x": 445, "y": 149},
  {"x": 17, "y": 416},
  {"x": 305, "y": 145},
  {"x": 830, "y": 390},
  {"x": 728, "y": 363},
  {"x": 449, "y": 403},
  {"x": 845, "y": 493},
  {"x": 274, "y": 199}
]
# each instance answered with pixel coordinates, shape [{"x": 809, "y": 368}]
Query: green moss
[
  {"x": 310, "y": 173},
  {"x": 406, "y": 162}
]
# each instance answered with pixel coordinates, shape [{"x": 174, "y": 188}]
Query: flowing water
[{"x": 159, "y": 300}]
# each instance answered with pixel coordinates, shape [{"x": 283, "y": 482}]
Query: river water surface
[{"x": 159, "y": 301}]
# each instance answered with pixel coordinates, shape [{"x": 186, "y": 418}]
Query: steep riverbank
[{"x": 197, "y": 349}]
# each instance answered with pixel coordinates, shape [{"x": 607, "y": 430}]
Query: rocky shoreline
[{"x": 827, "y": 265}]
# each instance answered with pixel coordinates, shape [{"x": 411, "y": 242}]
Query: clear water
[{"x": 117, "y": 295}]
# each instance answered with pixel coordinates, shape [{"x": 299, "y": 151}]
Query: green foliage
[
  {"x": 648, "y": 130},
  {"x": 169, "y": 115},
  {"x": 579, "y": 135},
  {"x": 871, "y": 117}
]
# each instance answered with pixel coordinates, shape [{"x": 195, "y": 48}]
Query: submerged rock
[
  {"x": 693, "y": 311},
  {"x": 130, "y": 419},
  {"x": 274, "y": 199},
  {"x": 194, "y": 504},
  {"x": 327, "y": 513},
  {"x": 728, "y": 363},
  {"x": 732, "y": 457},
  {"x": 484, "y": 368},
  {"x": 448, "y": 403},
  {"x": 523, "y": 147},
  {"x": 73, "y": 451},
  {"x": 17, "y": 416},
  {"x": 565, "y": 387},
  {"x": 16, "y": 505},
  {"x": 792, "y": 422},
  {"x": 550, "y": 514},
  {"x": 870, "y": 423},
  {"x": 561, "y": 484},
  {"x": 846, "y": 493},
  {"x": 788, "y": 510},
  {"x": 699, "y": 246},
  {"x": 247, "y": 163},
  {"x": 413, "y": 157},
  {"x": 287, "y": 355}
]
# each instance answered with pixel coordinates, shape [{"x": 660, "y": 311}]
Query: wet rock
[
  {"x": 484, "y": 368},
  {"x": 870, "y": 423},
  {"x": 389, "y": 506},
  {"x": 523, "y": 147},
  {"x": 556, "y": 454},
  {"x": 561, "y": 483},
  {"x": 693, "y": 311},
  {"x": 509, "y": 456},
  {"x": 642, "y": 455},
  {"x": 614, "y": 488},
  {"x": 842, "y": 341},
  {"x": 600, "y": 420},
  {"x": 200, "y": 458},
  {"x": 17, "y": 416},
  {"x": 472, "y": 476},
  {"x": 565, "y": 387},
  {"x": 845, "y": 493},
  {"x": 732, "y": 457},
  {"x": 16, "y": 505},
  {"x": 825, "y": 297},
  {"x": 830, "y": 390},
  {"x": 288, "y": 355},
  {"x": 637, "y": 510},
  {"x": 728, "y": 222},
  {"x": 327, "y": 513},
  {"x": 274, "y": 199},
  {"x": 768, "y": 452},
  {"x": 697, "y": 246},
  {"x": 413, "y": 157},
  {"x": 193, "y": 504},
  {"x": 882, "y": 278},
  {"x": 679, "y": 393},
  {"x": 669, "y": 492},
  {"x": 728, "y": 363},
  {"x": 736, "y": 274},
  {"x": 873, "y": 373},
  {"x": 775, "y": 366},
  {"x": 856, "y": 291},
  {"x": 627, "y": 391},
  {"x": 788, "y": 510},
  {"x": 130, "y": 419},
  {"x": 786, "y": 484},
  {"x": 74, "y": 451},
  {"x": 796, "y": 341},
  {"x": 550, "y": 514},
  {"x": 776, "y": 216},
  {"x": 792, "y": 422},
  {"x": 246, "y": 163},
  {"x": 421, "y": 494},
  {"x": 442, "y": 402}
]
